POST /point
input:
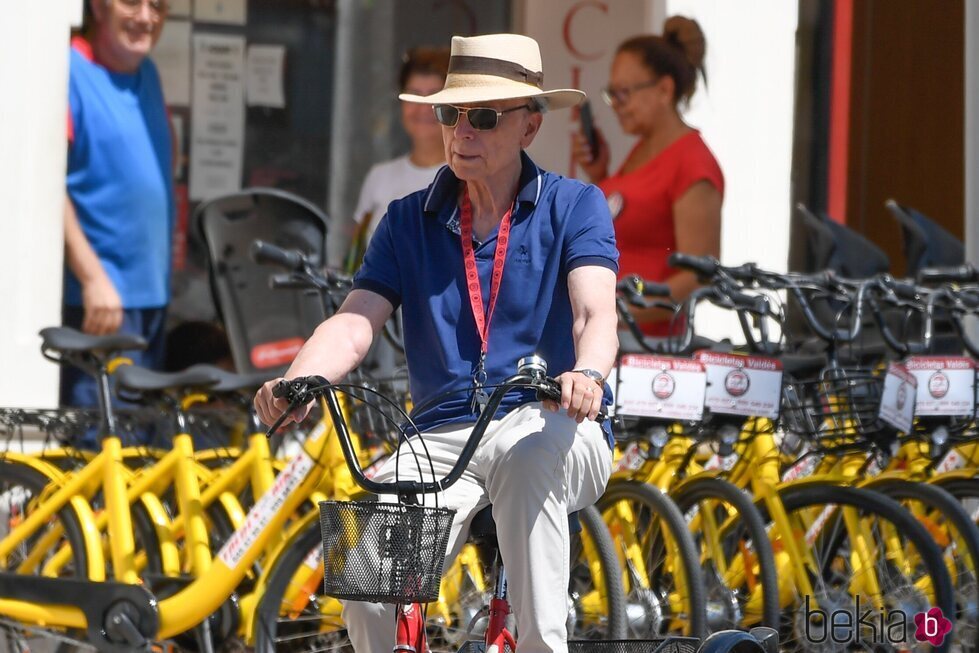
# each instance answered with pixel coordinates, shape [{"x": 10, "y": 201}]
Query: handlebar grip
[
  {"x": 265, "y": 253},
  {"x": 550, "y": 389},
  {"x": 704, "y": 266},
  {"x": 636, "y": 285},
  {"x": 965, "y": 273},
  {"x": 654, "y": 289}
]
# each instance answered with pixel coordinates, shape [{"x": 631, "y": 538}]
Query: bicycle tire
[
  {"x": 752, "y": 526},
  {"x": 273, "y": 635},
  {"x": 614, "y": 608},
  {"x": 965, "y": 491},
  {"x": 14, "y": 474},
  {"x": 645, "y": 605},
  {"x": 810, "y": 496},
  {"x": 966, "y": 633}
]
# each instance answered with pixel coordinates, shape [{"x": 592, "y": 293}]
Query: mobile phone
[{"x": 588, "y": 127}]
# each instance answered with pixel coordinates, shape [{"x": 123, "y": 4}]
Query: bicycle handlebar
[
  {"x": 639, "y": 287},
  {"x": 964, "y": 273},
  {"x": 853, "y": 290},
  {"x": 706, "y": 267},
  {"x": 265, "y": 253},
  {"x": 531, "y": 374}
]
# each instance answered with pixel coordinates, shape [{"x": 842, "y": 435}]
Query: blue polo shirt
[
  {"x": 120, "y": 177},
  {"x": 415, "y": 260}
]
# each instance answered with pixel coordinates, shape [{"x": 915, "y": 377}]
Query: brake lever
[{"x": 297, "y": 397}]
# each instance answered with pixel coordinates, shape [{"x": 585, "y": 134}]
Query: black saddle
[
  {"x": 482, "y": 529},
  {"x": 230, "y": 382},
  {"x": 140, "y": 379},
  {"x": 65, "y": 340}
]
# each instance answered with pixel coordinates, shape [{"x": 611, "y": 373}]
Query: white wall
[
  {"x": 34, "y": 74},
  {"x": 746, "y": 117}
]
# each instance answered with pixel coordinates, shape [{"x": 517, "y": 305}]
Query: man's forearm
[
  {"x": 596, "y": 343},
  {"x": 337, "y": 346},
  {"x": 79, "y": 255}
]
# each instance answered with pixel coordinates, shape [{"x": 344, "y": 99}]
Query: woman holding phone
[{"x": 667, "y": 194}]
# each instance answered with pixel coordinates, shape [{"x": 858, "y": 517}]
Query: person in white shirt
[{"x": 422, "y": 73}]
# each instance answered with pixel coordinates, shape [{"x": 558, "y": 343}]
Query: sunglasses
[
  {"x": 482, "y": 118},
  {"x": 621, "y": 94}
]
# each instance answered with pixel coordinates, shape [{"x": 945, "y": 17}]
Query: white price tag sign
[
  {"x": 660, "y": 386},
  {"x": 742, "y": 385},
  {"x": 724, "y": 463},
  {"x": 953, "y": 460},
  {"x": 898, "y": 397},
  {"x": 803, "y": 468},
  {"x": 946, "y": 385},
  {"x": 630, "y": 460}
]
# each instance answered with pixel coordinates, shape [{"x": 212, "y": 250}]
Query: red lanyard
[{"x": 472, "y": 274}]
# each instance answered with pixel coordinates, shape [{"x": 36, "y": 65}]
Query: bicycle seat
[
  {"x": 140, "y": 379},
  {"x": 231, "y": 382},
  {"x": 483, "y": 528},
  {"x": 68, "y": 340}
]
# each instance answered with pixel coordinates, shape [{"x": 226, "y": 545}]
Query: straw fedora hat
[{"x": 496, "y": 67}]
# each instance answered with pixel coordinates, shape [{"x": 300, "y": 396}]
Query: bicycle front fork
[
  {"x": 410, "y": 634},
  {"x": 498, "y": 638}
]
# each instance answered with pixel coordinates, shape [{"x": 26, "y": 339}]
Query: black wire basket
[
  {"x": 383, "y": 552},
  {"x": 666, "y": 645},
  {"x": 841, "y": 406}
]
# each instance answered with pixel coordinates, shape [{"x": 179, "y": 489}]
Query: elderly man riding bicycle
[{"x": 496, "y": 260}]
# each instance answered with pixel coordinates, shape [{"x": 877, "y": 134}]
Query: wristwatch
[{"x": 594, "y": 375}]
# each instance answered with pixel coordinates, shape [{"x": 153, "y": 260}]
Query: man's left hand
[{"x": 581, "y": 397}]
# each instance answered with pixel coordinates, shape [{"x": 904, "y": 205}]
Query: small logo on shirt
[
  {"x": 522, "y": 256},
  {"x": 615, "y": 204}
]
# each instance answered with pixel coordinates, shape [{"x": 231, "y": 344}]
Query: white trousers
[{"x": 535, "y": 467}]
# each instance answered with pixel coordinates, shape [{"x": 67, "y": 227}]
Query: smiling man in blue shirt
[
  {"x": 496, "y": 260},
  {"x": 119, "y": 210}
]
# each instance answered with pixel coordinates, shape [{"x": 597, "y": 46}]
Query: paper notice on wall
[
  {"x": 218, "y": 120},
  {"x": 172, "y": 58},
  {"x": 265, "y": 66},
  {"x": 231, "y": 12}
]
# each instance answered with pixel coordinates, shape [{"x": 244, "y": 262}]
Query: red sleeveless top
[{"x": 641, "y": 203}]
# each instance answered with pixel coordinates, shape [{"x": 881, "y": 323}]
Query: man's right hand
[
  {"x": 596, "y": 167},
  {"x": 270, "y": 408},
  {"x": 103, "y": 307}
]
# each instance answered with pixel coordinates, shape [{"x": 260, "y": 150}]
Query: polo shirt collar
[{"x": 441, "y": 197}]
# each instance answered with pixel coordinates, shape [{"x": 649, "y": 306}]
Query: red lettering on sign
[
  {"x": 570, "y": 17},
  {"x": 273, "y": 354}
]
